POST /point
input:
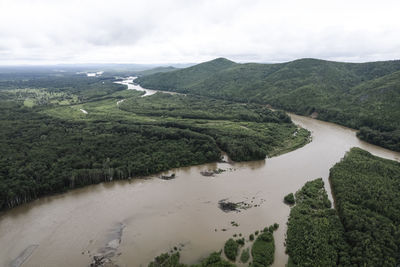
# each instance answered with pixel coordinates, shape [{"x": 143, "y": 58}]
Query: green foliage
[
  {"x": 214, "y": 260},
  {"x": 41, "y": 154},
  {"x": 231, "y": 248},
  {"x": 47, "y": 88},
  {"x": 186, "y": 77},
  {"x": 315, "y": 235},
  {"x": 155, "y": 70},
  {"x": 240, "y": 241},
  {"x": 263, "y": 250},
  {"x": 245, "y": 256},
  {"x": 367, "y": 193},
  {"x": 289, "y": 199},
  {"x": 245, "y": 132},
  {"x": 197, "y": 107},
  {"x": 52, "y": 146},
  {"x": 167, "y": 260},
  {"x": 251, "y": 237},
  {"x": 172, "y": 260},
  {"x": 356, "y": 95}
]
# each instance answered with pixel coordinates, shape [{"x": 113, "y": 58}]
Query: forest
[
  {"x": 245, "y": 132},
  {"x": 364, "y": 96},
  {"x": 364, "y": 227},
  {"x": 367, "y": 193},
  {"x": 315, "y": 235},
  {"x": 48, "y": 145}
]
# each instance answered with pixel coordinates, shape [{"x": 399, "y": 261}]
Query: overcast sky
[{"x": 173, "y": 31}]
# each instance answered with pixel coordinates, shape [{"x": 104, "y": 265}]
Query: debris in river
[
  {"x": 102, "y": 261},
  {"x": 211, "y": 173},
  {"x": 103, "y": 258},
  {"x": 167, "y": 177},
  {"x": 207, "y": 173},
  {"x": 235, "y": 224},
  {"x": 228, "y": 206}
]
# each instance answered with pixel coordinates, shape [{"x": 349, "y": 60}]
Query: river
[
  {"x": 147, "y": 92},
  {"x": 152, "y": 215}
]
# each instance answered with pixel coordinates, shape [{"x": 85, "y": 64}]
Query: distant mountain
[
  {"x": 155, "y": 70},
  {"x": 364, "y": 96},
  {"x": 187, "y": 77}
]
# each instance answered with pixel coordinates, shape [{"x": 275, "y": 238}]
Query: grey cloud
[{"x": 145, "y": 31}]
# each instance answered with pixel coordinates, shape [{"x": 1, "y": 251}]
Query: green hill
[
  {"x": 364, "y": 96},
  {"x": 184, "y": 78},
  {"x": 155, "y": 70}
]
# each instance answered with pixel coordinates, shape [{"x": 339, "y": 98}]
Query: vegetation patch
[
  {"x": 289, "y": 199},
  {"x": 231, "y": 249},
  {"x": 262, "y": 252},
  {"x": 167, "y": 260},
  {"x": 245, "y": 132},
  {"x": 245, "y": 256},
  {"x": 367, "y": 193},
  {"x": 172, "y": 260},
  {"x": 263, "y": 249},
  {"x": 315, "y": 235}
]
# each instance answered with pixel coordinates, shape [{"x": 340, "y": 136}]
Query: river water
[
  {"x": 132, "y": 86},
  {"x": 152, "y": 215}
]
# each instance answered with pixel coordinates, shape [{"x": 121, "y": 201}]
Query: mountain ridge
[{"x": 340, "y": 92}]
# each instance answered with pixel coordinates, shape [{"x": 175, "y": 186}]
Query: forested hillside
[
  {"x": 364, "y": 96},
  {"x": 155, "y": 70}
]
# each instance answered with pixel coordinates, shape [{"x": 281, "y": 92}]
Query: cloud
[{"x": 145, "y": 31}]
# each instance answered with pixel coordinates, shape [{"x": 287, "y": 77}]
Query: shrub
[
  {"x": 245, "y": 256},
  {"x": 231, "y": 249},
  {"x": 263, "y": 250},
  {"x": 289, "y": 199}
]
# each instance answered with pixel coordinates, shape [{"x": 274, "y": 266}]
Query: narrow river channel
[{"x": 154, "y": 215}]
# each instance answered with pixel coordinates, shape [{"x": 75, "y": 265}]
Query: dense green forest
[
  {"x": 155, "y": 70},
  {"x": 363, "y": 96},
  {"x": 263, "y": 249},
  {"x": 245, "y": 132},
  {"x": 367, "y": 193},
  {"x": 48, "y": 144},
  {"x": 315, "y": 235},
  {"x": 363, "y": 230},
  {"x": 41, "y": 154}
]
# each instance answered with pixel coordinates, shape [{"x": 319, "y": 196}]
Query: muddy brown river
[{"x": 139, "y": 219}]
